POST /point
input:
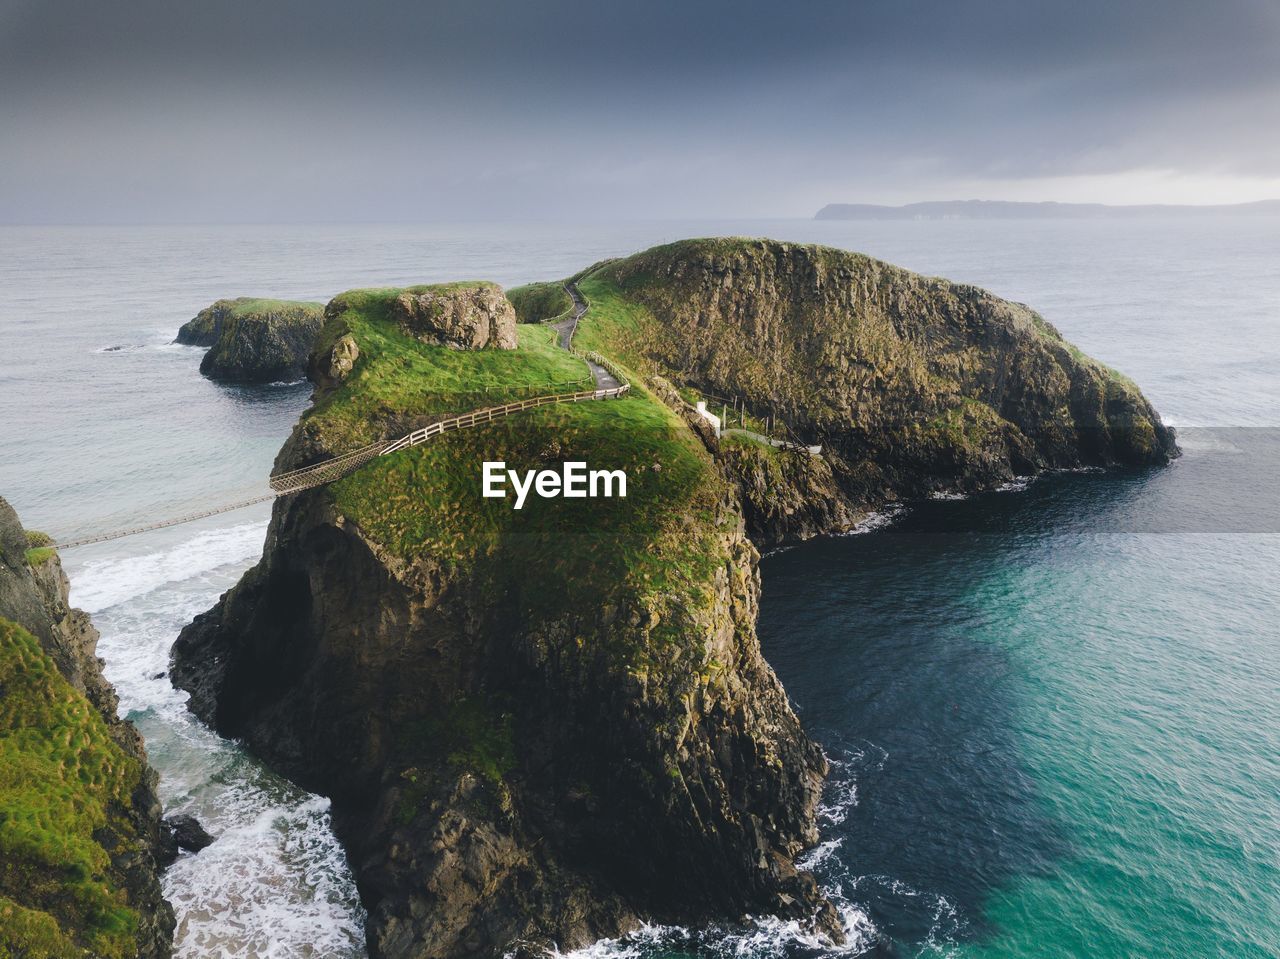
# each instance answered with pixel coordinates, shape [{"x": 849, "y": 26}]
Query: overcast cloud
[{"x": 329, "y": 111}]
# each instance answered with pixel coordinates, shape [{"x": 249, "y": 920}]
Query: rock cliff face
[
  {"x": 254, "y": 340},
  {"x": 99, "y": 888},
  {"x": 535, "y": 727},
  {"x": 912, "y": 384}
]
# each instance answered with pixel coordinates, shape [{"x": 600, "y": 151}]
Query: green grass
[
  {"x": 399, "y": 378},
  {"x": 39, "y": 548},
  {"x": 426, "y": 503},
  {"x": 248, "y": 305},
  {"x": 64, "y": 784},
  {"x": 538, "y": 302},
  {"x": 613, "y": 325}
]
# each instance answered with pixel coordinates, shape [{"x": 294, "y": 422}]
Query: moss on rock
[
  {"x": 254, "y": 340},
  {"x": 65, "y": 787},
  {"x": 540, "y": 302},
  {"x": 80, "y": 832},
  {"x": 911, "y": 384}
]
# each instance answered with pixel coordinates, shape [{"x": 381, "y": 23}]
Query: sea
[{"x": 1052, "y": 711}]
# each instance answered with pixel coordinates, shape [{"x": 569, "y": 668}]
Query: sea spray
[{"x": 275, "y": 882}]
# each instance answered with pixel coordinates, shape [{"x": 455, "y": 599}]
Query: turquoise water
[
  {"x": 1060, "y": 708},
  {"x": 1053, "y": 713}
]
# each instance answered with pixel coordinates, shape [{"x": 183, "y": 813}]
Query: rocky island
[
  {"x": 912, "y": 385},
  {"x": 542, "y": 727},
  {"x": 253, "y": 340},
  {"x": 81, "y": 838}
]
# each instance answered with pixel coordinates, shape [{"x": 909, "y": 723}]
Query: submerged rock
[
  {"x": 188, "y": 834},
  {"x": 95, "y": 889},
  {"x": 254, "y": 340}
]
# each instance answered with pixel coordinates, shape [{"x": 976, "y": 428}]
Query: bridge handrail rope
[
  {"x": 189, "y": 518},
  {"x": 343, "y": 464}
]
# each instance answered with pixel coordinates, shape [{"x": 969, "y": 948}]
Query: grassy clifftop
[
  {"x": 207, "y": 325},
  {"x": 65, "y": 788},
  {"x": 426, "y": 501}
]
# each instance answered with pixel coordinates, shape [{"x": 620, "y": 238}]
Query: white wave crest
[
  {"x": 101, "y": 584},
  {"x": 274, "y": 883},
  {"x": 765, "y": 937},
  {"x": 876, "y": 520}
]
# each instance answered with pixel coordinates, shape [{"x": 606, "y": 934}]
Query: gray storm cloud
[{"x": 177, "y": 111}]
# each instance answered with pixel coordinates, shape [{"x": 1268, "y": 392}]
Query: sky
[{"x": 338, "y": 111}]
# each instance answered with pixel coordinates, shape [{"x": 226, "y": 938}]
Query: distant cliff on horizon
[{"x": 1015, "y": 210}]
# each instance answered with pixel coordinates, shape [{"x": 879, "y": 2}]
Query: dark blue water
[
  {"x": 1062, "y": 732},
  {"x": 1053, "y": 712}
]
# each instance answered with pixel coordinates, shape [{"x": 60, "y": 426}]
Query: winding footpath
[{"x": 610, "y": 383}]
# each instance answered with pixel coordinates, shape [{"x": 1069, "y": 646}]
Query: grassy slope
[
  {"x": 535, "y": 302},
  {"x": 555, "y": 554},
  {"x": 63, "y": 782},
  {"x": 397, "y": 374}
]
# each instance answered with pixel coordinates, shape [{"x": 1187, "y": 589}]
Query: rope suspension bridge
[{"x": 610, "y": 383}]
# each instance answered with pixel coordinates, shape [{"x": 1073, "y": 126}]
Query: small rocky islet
[
  {"x": 540, "y": 727},
  {"x": 254, "y": 340}
]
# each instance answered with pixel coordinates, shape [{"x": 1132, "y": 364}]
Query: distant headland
[{"x": 1015, "y": 210}]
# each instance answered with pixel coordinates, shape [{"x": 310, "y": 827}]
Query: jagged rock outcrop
[
  {"x": 205, "y": 327},
  {"x": 530, "y": 733},
  {"x": 188, "y": 833},
  {"x": 47, "y": 900},
  {"x": 464, "y": 316},
  {"x": 911, "y": 384},
  {"x": 331, "y": 363},
  {"x": 254, "y": 340}
]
